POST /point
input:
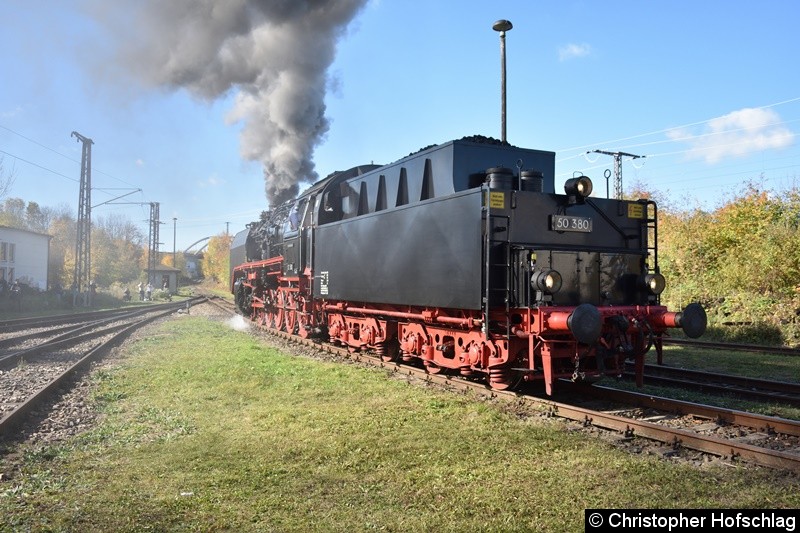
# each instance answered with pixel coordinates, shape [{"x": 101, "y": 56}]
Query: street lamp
[
  {"x": 174, "y": 240},
  {"x": 502, "y": 26}
]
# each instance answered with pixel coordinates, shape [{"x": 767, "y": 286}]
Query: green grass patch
[
  {"x": 206, "y": 429},
  {"x": 778, "y": 367}
]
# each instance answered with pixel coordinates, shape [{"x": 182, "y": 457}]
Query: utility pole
[
  {"x": 152, "y": 238},
  {"x": 83, "y": 241},
  {"x": 618, "y": 168},
  {"x": 153, "y": 243}
]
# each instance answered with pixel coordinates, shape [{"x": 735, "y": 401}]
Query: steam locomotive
[{"x": 463, "y": 258}]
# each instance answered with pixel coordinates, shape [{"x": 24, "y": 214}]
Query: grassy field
[{"x": 206, "y": 429}]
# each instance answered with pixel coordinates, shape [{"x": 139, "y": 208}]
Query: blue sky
[{"x": 708, "y": 91}]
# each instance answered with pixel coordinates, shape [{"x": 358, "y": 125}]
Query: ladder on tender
[
  {"x": 651, "y": 234},
  {"x": 495, "y": 225},
  {"x": 650, "y": 237}
]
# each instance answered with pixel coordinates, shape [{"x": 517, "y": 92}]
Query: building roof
[
  {"x": 163, "y": 268},
  {"x": 25, "y": 231}
]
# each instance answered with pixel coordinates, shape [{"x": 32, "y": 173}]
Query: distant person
[
  {"x": 59, "y": 292},
  {"x": 16, "y": 295},
  {"x": 148, "y": 292},
  {"x": 126, "y": 296},
  {"x": 91, "y": 293},
  {"x": 141, "y": 292}
]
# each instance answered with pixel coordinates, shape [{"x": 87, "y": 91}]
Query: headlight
[
  {"x": 547, "y": 281},
  {"x": 655, "y": 283},
  {"x": 580, "y": 186}
]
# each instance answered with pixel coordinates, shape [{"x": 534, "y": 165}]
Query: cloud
[
  {"x": 573, "y": 50},
  {"x": 211, "y": 181},
  {"x": 140, "y": 162},
  {"x": 17, "y": 111},
  {"x": 736, "y": 134}
]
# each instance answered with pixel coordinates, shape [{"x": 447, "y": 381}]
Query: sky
[{"x": 189, "y": 101}]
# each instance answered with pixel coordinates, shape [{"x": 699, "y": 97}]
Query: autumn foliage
[
  {"x": 741, "y": 260},
  {"x": 216, "y": 261}
]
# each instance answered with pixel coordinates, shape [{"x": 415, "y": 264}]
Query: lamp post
[
  {"x": 502, "y": 26},
  {"x": 174, "y": 248}
]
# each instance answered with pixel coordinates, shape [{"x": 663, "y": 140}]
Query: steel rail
[
  {"x": 745, "y": 387},
  {"x": 681, "y": 437},
  {"x": 729, "y": 379},
  {"x": 77, "y": 325},
  {"x": 767, "y": 424},
  {"x": 17, "y": 324},
  {"x": 713, "y": 345},
  {"x": 718, "y": 388}
]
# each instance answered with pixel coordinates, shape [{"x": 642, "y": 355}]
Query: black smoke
[{"x": 272, "y": 54}]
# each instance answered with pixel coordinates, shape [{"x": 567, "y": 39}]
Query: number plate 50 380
[{"x": 570, "y": 223}]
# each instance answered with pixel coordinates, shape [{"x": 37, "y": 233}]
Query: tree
[
  {"x": 216, "y": 261},
  {"x": 12, "y": 213},
  {"x": 34, "y": 218},
  {"x": 116, "y": 250},
  {"x": 62, "y": 250},
  {"x": 6, "y": 179}
]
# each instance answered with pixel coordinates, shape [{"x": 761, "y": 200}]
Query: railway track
[
  {"x": 735, "y": 435},
  {"x": 713, "y": 345},
  {"x": 740, "y": 387},
  {"x": 29, "y": 323},
  {"x": 32, "y": 372}
]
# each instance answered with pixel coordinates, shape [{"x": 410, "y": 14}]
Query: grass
[
  {"x": 206, "y": 429},
  {"x": 779, "y": 367}
]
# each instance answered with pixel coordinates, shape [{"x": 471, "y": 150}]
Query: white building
[{"x": 24, "y": 256}]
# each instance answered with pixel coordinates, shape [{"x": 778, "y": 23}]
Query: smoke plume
[{"x": 273, "y": 54}]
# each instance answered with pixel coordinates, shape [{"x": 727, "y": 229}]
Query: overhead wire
[
  {"x": 664, "y": 130},
  {"x": 696, "y": 150},
  {"x": 37, "y": 143}
]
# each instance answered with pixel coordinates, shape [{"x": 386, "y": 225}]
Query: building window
[
  {"x": 10, "y": 278},
  {"x": 11, "y": 248},
  {"x": 3, "y": 251},
  {"x": 2, "y": 273}
]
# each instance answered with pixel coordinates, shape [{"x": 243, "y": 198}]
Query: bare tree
[
  {"x": 6, "y": 179},
  {"x": 119, "y": 227}
]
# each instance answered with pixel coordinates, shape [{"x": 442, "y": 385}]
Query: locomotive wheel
[
  {"x": 286, "y": 308},
  {"x": 291, "y": 321},
  {"x": 303, "y": 320},
  {"x": 280, "y": 312},
  {"x": 283, "y": 312},
  {"x": 270, "y": 311}
]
